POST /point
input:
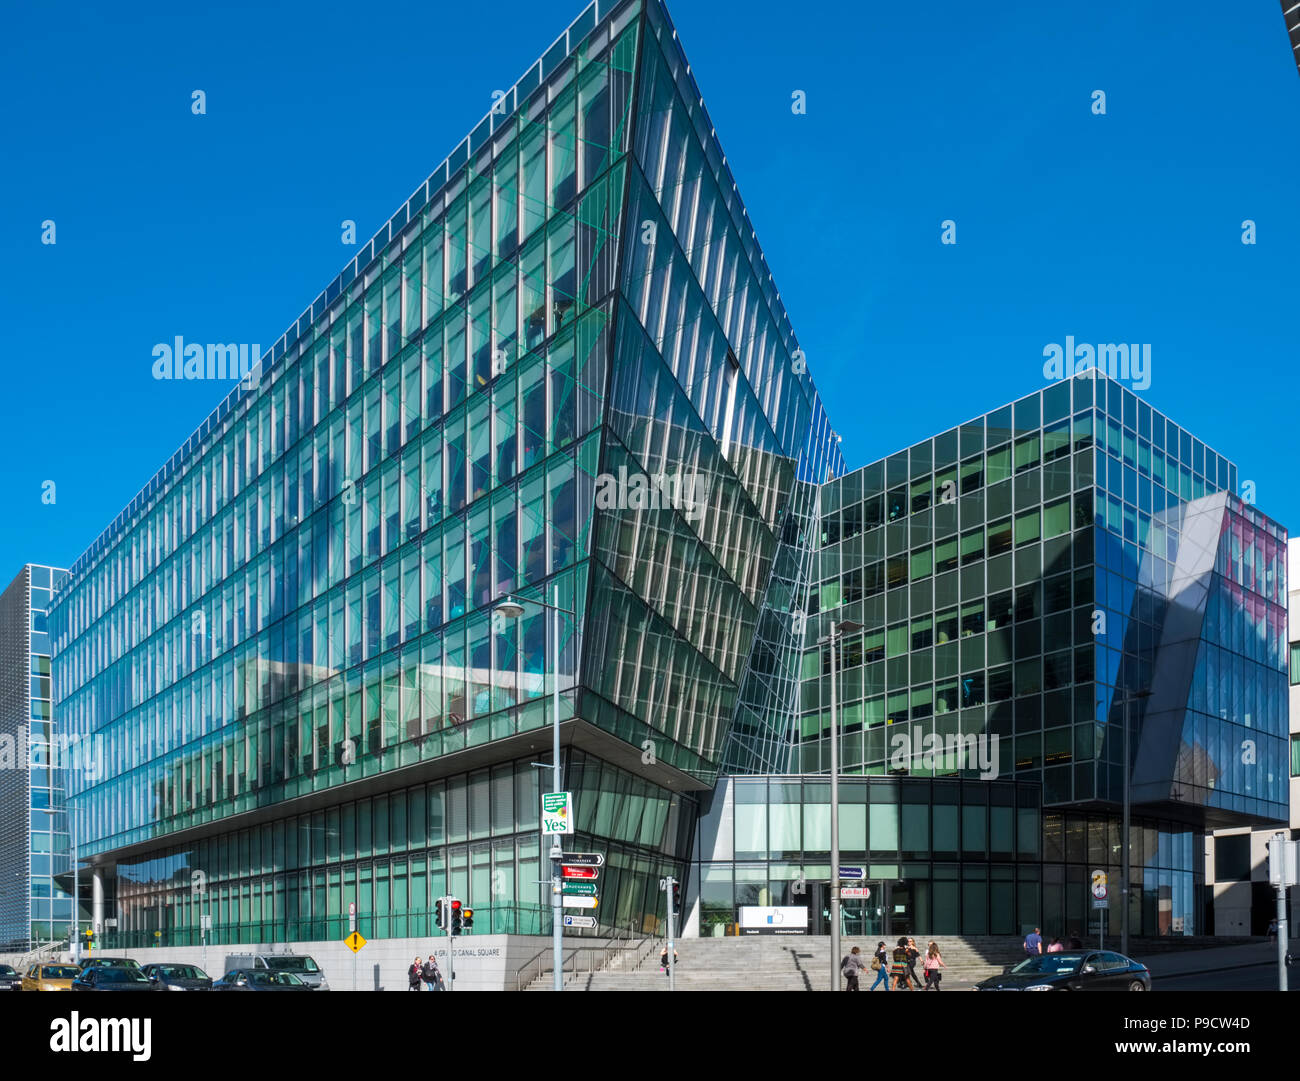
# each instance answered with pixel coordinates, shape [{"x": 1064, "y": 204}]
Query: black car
[
  {"x": 103, "y": 978},
  {"x": 1072, "y": 970},
  {"x": 110, "y": 962},
  {"x": 258, "y": 979},
  {"x": 10, "y": 978},
  {"x": 178, "y": 977}
]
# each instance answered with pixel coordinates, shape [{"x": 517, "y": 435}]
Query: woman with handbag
[
  {"x": 933, "y": 963},
  {"x": 880, "y": 966}
]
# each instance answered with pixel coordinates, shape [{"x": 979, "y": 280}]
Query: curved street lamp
[{"x": 510, "y": 608}]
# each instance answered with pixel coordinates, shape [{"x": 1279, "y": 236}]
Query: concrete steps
[{"x": 786, "y": 963}]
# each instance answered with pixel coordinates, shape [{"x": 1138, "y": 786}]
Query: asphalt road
[{"x": 1252, "y": 978}]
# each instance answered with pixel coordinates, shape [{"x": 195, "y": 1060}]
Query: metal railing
[
  {"x": 41, "y": 954},
  {"x": 596, "y": 956}
]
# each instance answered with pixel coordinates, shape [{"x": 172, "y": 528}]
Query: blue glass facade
[
  {"x": 303, "y": 598},
  {"x": 288, "y": 646},
  {"x": 35, "y": 860}
]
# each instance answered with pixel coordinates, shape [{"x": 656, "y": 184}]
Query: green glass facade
[
  {"x": 298, "y": 611},
  {"x": 1028, "y": 583}
]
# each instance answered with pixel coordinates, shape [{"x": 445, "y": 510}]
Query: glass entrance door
[{"x": 863, "y": 917}]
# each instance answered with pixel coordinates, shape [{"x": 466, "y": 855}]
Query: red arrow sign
[{"x": 581, "y": 872}]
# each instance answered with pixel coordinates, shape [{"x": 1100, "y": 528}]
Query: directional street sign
[
  {"x": 583, "y": 859},
  {"x": 354, "y": 941},
  {"x": 855, "y": 891},
  {"x": 580, "y": 889},
  {"x": 557, "y": 812},
  {"x": 852, "y": 872},
  {"x": 579, "y": 921},
  {"x": 579, "y": 902},
  {"x": 580, "y": 872}
]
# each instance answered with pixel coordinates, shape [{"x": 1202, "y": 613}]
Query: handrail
[{"x": 569, "y": 953}]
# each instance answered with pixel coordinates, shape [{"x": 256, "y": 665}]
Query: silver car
[{"x": 302, "y": 966}]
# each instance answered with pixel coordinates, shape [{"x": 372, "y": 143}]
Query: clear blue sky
[{"x": 1123, "y": 227}]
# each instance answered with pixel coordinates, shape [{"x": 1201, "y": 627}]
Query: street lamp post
[
  {"x": 837, "y": 631},
  {"x": 513, "y": 609}
]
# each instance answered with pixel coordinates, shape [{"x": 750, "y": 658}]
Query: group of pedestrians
[
  {"x": 897, "y": 966},
  {"x": 1034, "y": 946},
  {"x": 426, "y": 973}
]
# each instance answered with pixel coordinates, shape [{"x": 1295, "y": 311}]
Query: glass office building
[
  {"x": 35, "y": 905},
  {"x": 1028, "y": 583},
  {"x": 287, "y": 643},
  {"x": 289, "y": 647}
]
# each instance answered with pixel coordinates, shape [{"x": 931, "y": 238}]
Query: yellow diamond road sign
[{"x": 354, "y": 941}]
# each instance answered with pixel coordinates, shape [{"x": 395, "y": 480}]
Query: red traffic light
[{"x": 455, "y": 906}]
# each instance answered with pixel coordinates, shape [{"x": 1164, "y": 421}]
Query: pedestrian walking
[
  {"x": 1033, "y": 943},
  {"x": 898, "y": 967},
  {"x": 913, "y": 955},
  {"x": 933, "y": 963},
  {"x": 1056, "y": 946},
  {"x": 1272, "y": 929},
  {"x": 880, "y": 966},
  {"x": 1075, "y": 943},
  {"x": 413, "y": 975},
  {"x": 663, "y": 960},
  {"x": 851, "y": 967},
  {"x": 431, "y": 976}
]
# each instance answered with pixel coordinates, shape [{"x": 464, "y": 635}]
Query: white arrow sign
[
  {"x": 579, "y": 921},
  {"x": 570, "y": 901}
]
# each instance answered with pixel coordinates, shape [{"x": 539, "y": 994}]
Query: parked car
[
  {"x": 109, "y": 962},
  {"x": 50, "y": 977},
  {"x": 10, "y": 978},
  {"x": 259, "y": 979},
  {"x": 302, "y": 966},
  {"x": 1072, "y": 970},
  {"x": 105, "y": 978},
  {"x": 178, "y": 977}
]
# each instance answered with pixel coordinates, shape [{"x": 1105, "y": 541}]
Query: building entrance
[{"x": 860, "y": 917}]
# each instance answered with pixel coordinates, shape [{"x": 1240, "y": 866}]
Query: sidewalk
[{"x": 1217, "y": 958}]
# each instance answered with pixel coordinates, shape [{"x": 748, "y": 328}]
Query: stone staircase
[
  {"x": 755, "y": 963},
  {"x": 788, "y": 963}
]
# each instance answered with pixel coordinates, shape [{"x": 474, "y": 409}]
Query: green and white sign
[{"x": 557, "y": 812}]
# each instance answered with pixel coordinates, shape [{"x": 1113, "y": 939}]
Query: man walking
[
  {"x": 1033, "y": 943},
  {"x": 851, "y": 967}
]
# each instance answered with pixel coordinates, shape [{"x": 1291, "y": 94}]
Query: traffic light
[
  {"x": 467, "y": 918},
  {"x": 677, "y": 897},
  {"x": 437, "y": 908},
  {"x": 456, "y": 916}
]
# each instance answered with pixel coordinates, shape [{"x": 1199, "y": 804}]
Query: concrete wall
[{"x": 483, "y": 962}]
